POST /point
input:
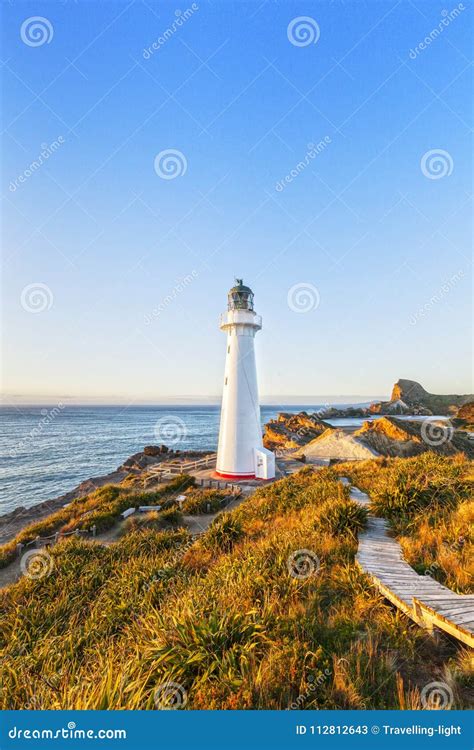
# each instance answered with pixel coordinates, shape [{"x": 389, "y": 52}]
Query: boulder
[{"x": 155, "y": 450}]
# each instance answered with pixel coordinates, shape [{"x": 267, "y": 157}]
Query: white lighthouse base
[{"x": 264, "y": 461}]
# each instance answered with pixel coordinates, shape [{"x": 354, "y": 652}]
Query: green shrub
[
  {"x": 343, "y": 517},
  {"x": 203, "y": 501},
  {"x": 223, "y": 533}
]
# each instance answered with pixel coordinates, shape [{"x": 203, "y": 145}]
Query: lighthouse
[{"x": 240, "y": 454}]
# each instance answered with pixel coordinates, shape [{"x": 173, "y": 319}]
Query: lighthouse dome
[{"x": 240, "y": 297}]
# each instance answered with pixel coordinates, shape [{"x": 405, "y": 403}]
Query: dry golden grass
[{"x": 224, "y": 618}]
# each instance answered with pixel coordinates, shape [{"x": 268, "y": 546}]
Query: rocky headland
[{"x": 310, "y": 437}]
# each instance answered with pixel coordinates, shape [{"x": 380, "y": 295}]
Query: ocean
[{"x": 47, "y": 451}]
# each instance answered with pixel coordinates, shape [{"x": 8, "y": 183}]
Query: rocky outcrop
[
  {"x": 333, "y": 412},
  {"x": 403, "y": 438},
  {"x": 291, "y": 431},
  {"x": 465, "y": 417},
  {"x": 155, "y": 450},
  {"x": 390, "y": 437},
  {"x": 393, "y": 407},
  {"x": 416, "y": 397}
]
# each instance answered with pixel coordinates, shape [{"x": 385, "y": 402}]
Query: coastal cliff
[{"x": 415, "y": 396}]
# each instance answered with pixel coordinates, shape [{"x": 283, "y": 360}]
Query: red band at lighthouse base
[{"x": 236, "y": 477}]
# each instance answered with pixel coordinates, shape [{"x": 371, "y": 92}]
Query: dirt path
[{"x": 194, "y": 525}]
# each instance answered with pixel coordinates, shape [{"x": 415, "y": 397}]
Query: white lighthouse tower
[{"x": 241, "y": 454}]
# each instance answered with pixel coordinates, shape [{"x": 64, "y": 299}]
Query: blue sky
[{"x": 378, "y": 245}]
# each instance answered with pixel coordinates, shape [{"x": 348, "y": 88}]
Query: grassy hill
[{"x": 266, "y": 610}]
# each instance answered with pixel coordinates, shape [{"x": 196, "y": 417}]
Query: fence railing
[
  {"x": 177, "y": 467},
  {"x": 46, "y": 541}
]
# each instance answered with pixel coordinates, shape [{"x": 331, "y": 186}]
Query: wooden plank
[{"x": 381, "y": 557}]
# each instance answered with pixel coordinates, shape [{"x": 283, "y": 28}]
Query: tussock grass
[
  {"x": 222, "y": 617},
  {"x": 101, "y": 508},
  {"x": 203, "y": 501}
]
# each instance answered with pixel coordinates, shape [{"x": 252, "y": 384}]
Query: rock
[
  {"x": 465, "y": 417},
  {"x": 292, "y": 430},
  {"x": 355, "y": 412},
  {"x": 155, "y": 450},
  {"x": 390, "y": 436},
  {"x": 421, "y": 402},
  {"x": 409, "y": 391}
]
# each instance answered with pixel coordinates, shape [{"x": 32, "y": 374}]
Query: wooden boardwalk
[{"x": 424, "y": 600}]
